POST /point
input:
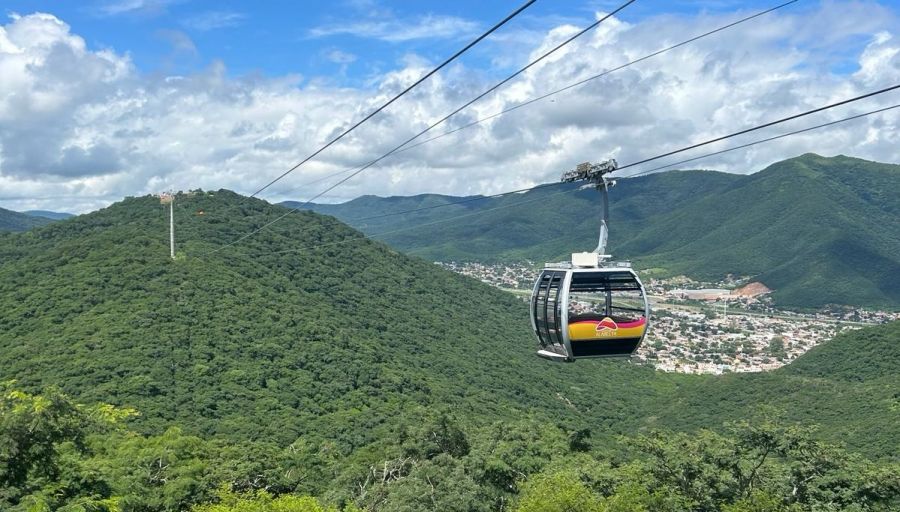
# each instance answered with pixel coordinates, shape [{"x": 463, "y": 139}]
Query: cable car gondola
[{"x": 589, "y": 307}]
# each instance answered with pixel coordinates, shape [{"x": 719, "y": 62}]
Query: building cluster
[
  {"x": 508, "y": 275},
  {"x": 729, "y": 326},
  {"x": 860, "y": 315},
  {"x": 708, "y": 342}
]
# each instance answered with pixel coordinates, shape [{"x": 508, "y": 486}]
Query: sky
[{"x": 104, "y": 99}]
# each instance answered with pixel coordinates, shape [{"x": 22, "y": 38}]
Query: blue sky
[
  {"x": 345, "y": 42},
  {"x": 106, "y": 98}
]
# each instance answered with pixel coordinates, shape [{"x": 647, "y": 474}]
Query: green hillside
[
  {"x": 817, "y": 230},
  {"x": 336, "y": 340},
  {"x": 856, "y": 356},
  {"x": 345, "y": 339},
  {"x": 539, "y": 225},
  {"x": 848, "y": 385},
  {"x": 48, "y": 214},
  {"x": 369, "y": 206},
  {"x": 15, "y": 221},
  {"x": 310, "y": 370}
]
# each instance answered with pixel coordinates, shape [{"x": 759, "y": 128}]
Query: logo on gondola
[{"x": 607, "y": 327}]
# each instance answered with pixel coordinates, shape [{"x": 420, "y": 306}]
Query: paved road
[{"x": 659, "y": 302}]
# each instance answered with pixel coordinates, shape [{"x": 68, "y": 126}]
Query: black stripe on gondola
[
  {"x": 610, "y": 347},
  {"x": 623, "y": 308},
  {"x": 540, "y": 310},
  {"x": 553, "y": 323},
  {"x": 546, "y": 307}
]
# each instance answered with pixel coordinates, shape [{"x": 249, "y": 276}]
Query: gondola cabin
[{"x": 588, "y": 309}]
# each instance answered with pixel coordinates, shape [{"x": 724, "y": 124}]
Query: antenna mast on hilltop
[{"x": 167, "y": 198}]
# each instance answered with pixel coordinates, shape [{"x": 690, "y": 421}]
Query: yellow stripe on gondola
[{"x": 588, "y": 331}]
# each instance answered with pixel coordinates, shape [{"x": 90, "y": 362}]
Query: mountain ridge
[
  {"x": 48, "y": 214},
  {"x": 353, "y": 332},
  {"x": 11, "y": 221},
  {"x": 817, "y": 230}
]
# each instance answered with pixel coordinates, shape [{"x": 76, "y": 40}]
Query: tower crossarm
[
  {"x": 595, "y": 174},
  {"x": 587, "y": 171}
]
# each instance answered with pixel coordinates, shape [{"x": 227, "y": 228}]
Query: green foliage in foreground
[
  {"x": 58, "y": 455},
  {"x": 262, "y": 501}
]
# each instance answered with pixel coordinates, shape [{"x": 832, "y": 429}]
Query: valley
[
  {"x": 718, "y": 334},
  {"x": 832, "y": 244}
]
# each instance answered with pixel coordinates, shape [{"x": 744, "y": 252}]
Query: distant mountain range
[
  {"x": 15, "y": 221},
  {"x": 48, "y": 215},
  {"x": 23, "y": 221},
  {"x": 817, "y": 230}
]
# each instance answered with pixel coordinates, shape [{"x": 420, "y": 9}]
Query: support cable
[
  {"x": 557, "y": 91},
  {"x": 398, "y": 96},
  {"x": 769, "y": 139},
  {"x": 599, "y": 75},
  {"x": 557, "y": 184},
  {"x": 433, "y": 125},
  {"x": 760, "y": 127}
]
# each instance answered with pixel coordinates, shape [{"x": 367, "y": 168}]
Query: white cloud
[
  {"x": 396, "y": 30},
  {"x": 80, "y": 128},
  {"x": 181, "y": 42},
  {"x": 340, "y": 57},
  {"x": 880, "y": 62},
  {"x": 212, "y": 20},
  {"x": 49, "y": 76},
  {"x": 117, "y": 7}
]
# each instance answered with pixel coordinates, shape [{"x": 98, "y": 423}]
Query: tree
[
  {"x": 31, "y": 427},
  {"x": 776, "y": 347},
  {"x": 439, "y": 484},
  {"x": 262, "y": 501},
  {"x": 759, "y": 502},
  {"x": 43, "y": 443},
  {"x": 557, "y": 492},
  {"x": 168, "y": 472},
  {"x": 440, "y": 435}
]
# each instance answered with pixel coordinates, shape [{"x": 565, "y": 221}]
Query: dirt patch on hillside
[{"x": 752, "y": 290}]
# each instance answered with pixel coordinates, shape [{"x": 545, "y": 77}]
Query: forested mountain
[
  {"x": 15, "y": 221},
  {"x": 856, "y": 375},
  {"x": 307, "y": 363},
  {"x": 48, "y": 214},
  {"x": 306, "y": 339},
  {"x": 817, "y": 230}
]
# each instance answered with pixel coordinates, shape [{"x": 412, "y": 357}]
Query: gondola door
[{"x": 548, "y": 314}]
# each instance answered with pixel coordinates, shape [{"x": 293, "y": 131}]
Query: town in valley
[{"x": 715, "y": 328}]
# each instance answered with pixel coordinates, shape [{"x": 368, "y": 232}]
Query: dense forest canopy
[{"x": 59, "y": 455}]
